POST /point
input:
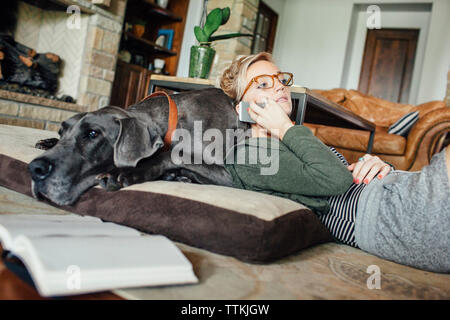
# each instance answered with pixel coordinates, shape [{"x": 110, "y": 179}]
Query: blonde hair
[{"x": 233, "y": 80}]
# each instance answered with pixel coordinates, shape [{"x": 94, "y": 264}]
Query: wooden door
[
  {"x": 130, "y": 84},
  {"x": 388, "y": 62}
]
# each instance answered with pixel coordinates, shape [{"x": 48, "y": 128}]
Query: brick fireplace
[{"x": 89, "y": 55}]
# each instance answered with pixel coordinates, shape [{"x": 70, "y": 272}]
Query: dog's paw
[
  {"x": 125, "y": 179},
  {"x": 168, "y": 176},
  {"x": 109, "y": 182},
  {"x": 46, "y": 144},
  {"x": 183, "y": 179},
  {"x": 172, "y": 176}
]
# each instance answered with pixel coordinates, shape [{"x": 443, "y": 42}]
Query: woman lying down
[{"x": 397, "y": 215}]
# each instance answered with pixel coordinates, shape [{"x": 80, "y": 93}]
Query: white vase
[{"x": 162, "y": 3}]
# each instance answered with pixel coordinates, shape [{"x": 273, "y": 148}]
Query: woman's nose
[{"x": 278, "y": 86}]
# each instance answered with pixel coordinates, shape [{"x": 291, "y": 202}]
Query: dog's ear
[
  {"x": 65, "y": 125},
  {"x": 134, "y": 142}
]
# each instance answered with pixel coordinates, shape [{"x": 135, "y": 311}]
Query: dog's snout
[{"x": 40, "y": 169}]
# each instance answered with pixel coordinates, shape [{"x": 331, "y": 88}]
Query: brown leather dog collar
[{"x": 173, "y": 117}]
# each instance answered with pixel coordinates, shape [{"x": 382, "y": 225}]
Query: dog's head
[{"x": 90, "y": 144}]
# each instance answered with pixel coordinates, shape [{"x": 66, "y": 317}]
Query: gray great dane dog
[{"x": 114, "y": 147}]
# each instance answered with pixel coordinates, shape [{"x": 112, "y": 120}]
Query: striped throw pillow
[{"x": 404, "y": 124}]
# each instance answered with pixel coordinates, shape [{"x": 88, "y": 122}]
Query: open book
[{"x": 71, "y": 254}]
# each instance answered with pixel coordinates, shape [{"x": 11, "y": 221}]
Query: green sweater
[{"x": 300, "y": 167}]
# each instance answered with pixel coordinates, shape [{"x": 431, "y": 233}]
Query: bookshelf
[{"x": 132, "y": 76}]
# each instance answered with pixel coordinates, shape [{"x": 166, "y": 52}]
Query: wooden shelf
[
  {"x": 146, "y": 9},
  {"x": 85, "y": 6},
  {"x": 59, "y": 5},
  {"x": 131, "y": 82},
  {"x": 147, "y": 46},
  {"x": 161, "y": 12}
]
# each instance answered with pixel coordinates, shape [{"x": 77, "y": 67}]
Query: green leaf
[
  {"x": 213, "y": 21},
  {"x": 139, "y": 22},
  {"x": 200, "y": 34},
  {"x": 229, "y": 36},
  {"x": 225, "y": 15}
]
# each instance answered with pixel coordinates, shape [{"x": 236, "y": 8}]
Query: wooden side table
[
  {"x": 310, "y": 107},
  {"x": 314, "y": 108}
]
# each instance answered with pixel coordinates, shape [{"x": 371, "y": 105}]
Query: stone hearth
[{"x": 25, "y": 110}]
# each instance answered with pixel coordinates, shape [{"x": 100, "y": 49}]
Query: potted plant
[
  {"x": 202, "y": 55},
  {"x": 139, "y": 27}
]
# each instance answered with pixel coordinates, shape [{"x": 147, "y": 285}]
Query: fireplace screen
[{"x": 22, "y": 69}]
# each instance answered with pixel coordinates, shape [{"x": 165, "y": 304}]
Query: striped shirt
[{"x": 340, "y": 219}]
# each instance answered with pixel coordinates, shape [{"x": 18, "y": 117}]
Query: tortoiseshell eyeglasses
[{"x": 267, "y": 81}]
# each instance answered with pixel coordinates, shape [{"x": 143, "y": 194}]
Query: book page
[
  {"x": 108, "y": 253},
  {"x": 103, "y": 262},
  {"x": 70, "y": 225}
]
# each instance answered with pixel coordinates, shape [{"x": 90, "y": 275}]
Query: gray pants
[{"x": 405, "y": 217}]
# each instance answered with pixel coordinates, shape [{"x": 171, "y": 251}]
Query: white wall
[
  {"x": 193, "y": 19},
  {"x": 313, "y": 40},
  {"x": 278, "y": 7},
  {"x": 404, "y": 16},
  {"x": 436, "y": 62}
]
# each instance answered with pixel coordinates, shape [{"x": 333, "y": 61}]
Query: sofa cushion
[
  {"x": 335, "y": 95},
  {"x": 381, "y": 115},
  {"x": 354, "y": 94},
  {"x": 248, "y": 225},
  {"x": 357, "y": 140},
  {"x": 426, "y": 107}
]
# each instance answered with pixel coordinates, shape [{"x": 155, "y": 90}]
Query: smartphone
[{"x": 244, "y": 116}]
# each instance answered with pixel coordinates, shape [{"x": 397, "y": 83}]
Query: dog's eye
[{"x": 92, "y": 134}]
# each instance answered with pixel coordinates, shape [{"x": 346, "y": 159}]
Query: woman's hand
[
  {"x": 272, "y": 117},
  {"x": 367, "y": 168}
]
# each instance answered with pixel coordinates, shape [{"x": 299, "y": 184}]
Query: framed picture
[
  {"x": 161, "y": 40},
  {"x": 168, "y": 37}
]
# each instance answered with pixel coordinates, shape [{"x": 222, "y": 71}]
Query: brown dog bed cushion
[{"x": 248, "y": 225}]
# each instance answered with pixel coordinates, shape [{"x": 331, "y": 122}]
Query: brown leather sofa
[{"x": 411, "y": 153}]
